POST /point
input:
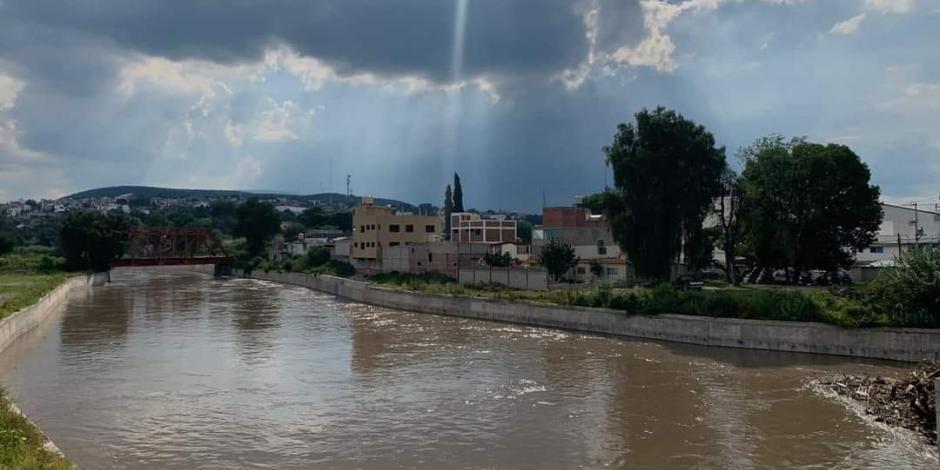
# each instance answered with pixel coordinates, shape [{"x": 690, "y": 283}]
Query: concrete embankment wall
[
  {"x": 24, "y": 320},
  {"x": 900, "y": 344}
]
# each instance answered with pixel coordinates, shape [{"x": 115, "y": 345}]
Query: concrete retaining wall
[
  {"x": 900, "y": 344},
  {"x": 24, "y": 320}
]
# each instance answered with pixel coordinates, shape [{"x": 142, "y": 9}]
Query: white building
[{"x": 902, "y": 228}]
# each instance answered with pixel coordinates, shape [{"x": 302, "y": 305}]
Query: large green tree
[
  {"x": 807, "y": 205},
  {"x": 258, "y": 222},
  {"x": 90, "y": 240},
  {"x": 667, "y": 171}
]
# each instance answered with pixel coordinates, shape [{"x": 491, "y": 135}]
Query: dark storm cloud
[{"x": 395, "y": 37}]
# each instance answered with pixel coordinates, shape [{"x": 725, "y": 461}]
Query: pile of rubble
[{"x": 908, "y": 402}]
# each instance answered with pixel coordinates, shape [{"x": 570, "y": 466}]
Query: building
[
  {"x": 467, "y": 227},
  {"x": 521, "y": 252},
  {"x": 376, "y": 228},
  {"x": 342, "y": 248},
  {"x": 902, "y": 227},
  {"x": 587, "y": 233},
  {"x": 439, "y": 257}
]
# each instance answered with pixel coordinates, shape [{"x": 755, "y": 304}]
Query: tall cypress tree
[
  {"x": 458, "y": 194},
  {"x": 448, "y": 209}
]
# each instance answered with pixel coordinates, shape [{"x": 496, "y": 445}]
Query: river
[{"x": 175, "y": 370}]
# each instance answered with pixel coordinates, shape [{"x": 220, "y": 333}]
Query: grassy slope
[
  {"x": 24, "y": 278},
  {"x": 21, "y": 290},
  {"x": 21, "y": 444},
  {"x": 743, "y": 302}
]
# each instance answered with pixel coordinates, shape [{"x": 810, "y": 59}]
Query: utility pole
[
  {"x": 916, "y": 226},
  {"x": 348, "y": 191},
  {"x": 331, "y": 183}
]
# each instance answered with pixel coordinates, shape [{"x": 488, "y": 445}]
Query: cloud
[
  {"x": 849, "y": 26},
  {"x": 890, "y": 6},
  {"x": 240, "y": 93}
]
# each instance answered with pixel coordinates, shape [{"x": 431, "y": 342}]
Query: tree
[
  {"x": 223, "y": 215},
  {"x": 524, "y": 230},
  {"x": 90, "y": 240},
  {"x": 807, "y": 205},
  {"x": 341, "y": 220},
  {"x": 497, "y": 260},
  {"x": 292, "y": 230},
  {"x": 458, "y": 194},
  {"x": 596, "y": 269},
  {"x": 448, "y": 210},
  {"x": 313, "y": 217},
  {"x": 558, "y": 258},
  {"x": 727, "y": 210},
  {"x": 7, "y": 242},
  {"x": 666, "y": 172},
  {"x": 258, "y": 222},
  {"x": 593, "y": 203}
]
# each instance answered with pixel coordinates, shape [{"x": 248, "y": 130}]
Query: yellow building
[{"x": 377, "y": 227}]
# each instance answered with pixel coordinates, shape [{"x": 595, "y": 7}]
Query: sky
[{"x": 518, "y": 96}]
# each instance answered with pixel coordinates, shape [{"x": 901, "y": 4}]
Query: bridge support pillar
[{"x": 222, "y": 270}]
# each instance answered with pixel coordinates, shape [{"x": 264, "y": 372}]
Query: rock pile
[{"x": 908, "y": 402}]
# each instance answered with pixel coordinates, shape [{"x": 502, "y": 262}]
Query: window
[
  {"x": 601, "y": 248},
  {"x": 876, "y": 249},
  {"x": 428, "y": 229},
  {"x": 362, "y": 228},
  {"x": 409, "y": 228},
  {"x": 581, "y": 270},
  {"x": 394, "y": 228},
  {"x": 430, "y": 258},
  {"x": 477, "y": 232},
  {"x": 611, "y": 271},
  {"x": 393, "y": 243}
]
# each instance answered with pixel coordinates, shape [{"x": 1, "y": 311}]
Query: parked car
[{"x": 689, "y": 281}]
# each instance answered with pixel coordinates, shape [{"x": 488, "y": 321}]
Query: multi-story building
[
  {"x": 587, "y": 233},
  {"x": 467, "y": 227},
  {"x": 379, "y": 227},
  {"x": 590, "y": 237}
]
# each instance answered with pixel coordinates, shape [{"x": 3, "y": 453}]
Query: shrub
[
  {"x": 335, "y": 268},
  {"x": 909, "y": 293},
  {"x": 314, "y": 257},
  {"x": 7, "y": 243}
]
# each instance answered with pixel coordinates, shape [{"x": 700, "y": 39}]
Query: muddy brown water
[{"x": 172, "y": 370}]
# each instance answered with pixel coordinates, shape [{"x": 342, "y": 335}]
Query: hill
[{"x": 148, "y": 192}]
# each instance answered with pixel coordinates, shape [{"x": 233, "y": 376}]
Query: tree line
[{"x": 794, "y": 205}]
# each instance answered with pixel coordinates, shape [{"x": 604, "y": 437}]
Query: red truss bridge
[{"x": 173, "y": 247}]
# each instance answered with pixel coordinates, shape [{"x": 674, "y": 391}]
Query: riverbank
[
  {"x": 22, "y": 445},
  {"x": 899, "y": 344}
]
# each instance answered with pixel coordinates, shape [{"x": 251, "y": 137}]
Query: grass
[
  {"x": 21, "y": 444},
  {"x": 819, "y": 305},
  {"x": 25, "y": 276},
  {"x": 21, "y": 290}
]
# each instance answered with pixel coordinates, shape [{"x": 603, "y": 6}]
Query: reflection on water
[{"x": 171, "y": 370}]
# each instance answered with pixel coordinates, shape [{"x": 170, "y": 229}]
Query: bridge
[{"x": 174, "y": 247}]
